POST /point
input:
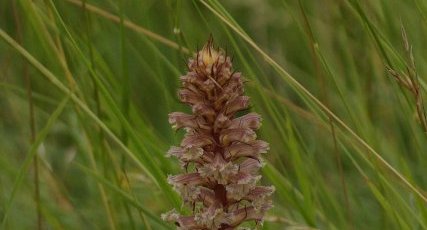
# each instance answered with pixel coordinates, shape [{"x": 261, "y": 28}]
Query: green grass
[{"x": 347, "y": 148}]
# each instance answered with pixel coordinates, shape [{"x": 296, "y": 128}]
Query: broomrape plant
[{"x": 219, "y": 152}]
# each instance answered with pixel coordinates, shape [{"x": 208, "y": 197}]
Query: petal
[
  {"x": 246, "y": 178},
  {"x": 242, "y": 135},
  {"x": 241, "y": 186},
  {"x": 252, "y": 149},
  {"x": 220, "y": 171},
  {"x": 250, "y": 120},
  {"x": 239, "y": 103},
  {"x": 196, "y": 87},
  {"x": 260, "y": 191},
  {"x": 213, "y": 218},
  {"x": 262, "y": 203},
  {"x": 183, "y": 222},
  {"x": 204, "y": 110},
  {"x": 261, "y": 146},
  {"x": 196, "y": 140},
  {"x": 188, "y": 223},
  {"x": 191, "y": 154},
  {"x": 250, "y": 166},
  {"x": 237, "y": 191},
  {"x": 189, "y": 97},
  {"x": 179, "y": 120},
  {"x": 187, "y": 185},
  {"x": 186, "y": 179},
  {"x": 193, "y": 82},
  {"x": 248, "y": 213}
]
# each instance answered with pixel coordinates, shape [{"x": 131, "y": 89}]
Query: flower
[{"x": 221, "y": 187}]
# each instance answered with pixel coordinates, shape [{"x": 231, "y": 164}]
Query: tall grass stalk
[{"x": 92, "y": 82}]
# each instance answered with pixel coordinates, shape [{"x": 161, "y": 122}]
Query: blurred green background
[{"x": 86, "y": 88}]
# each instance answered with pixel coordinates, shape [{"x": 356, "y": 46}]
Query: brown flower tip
[{"x": 222, "y": 149}]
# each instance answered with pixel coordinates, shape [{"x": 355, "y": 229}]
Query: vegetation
[{"x": 86, "y": 87}]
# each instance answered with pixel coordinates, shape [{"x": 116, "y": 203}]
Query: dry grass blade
[
  {"x": 340, "y": 93},
  {"x": 51, "y": 77},
  {"x": 323, "y": 107},
  {"x": 128, "y": 24},
  {"x": 159, "y": 38}
]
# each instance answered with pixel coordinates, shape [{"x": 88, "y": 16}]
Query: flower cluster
[{"x": 220, "y": 151}]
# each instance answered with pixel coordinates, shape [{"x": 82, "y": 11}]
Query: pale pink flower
[{"x": 223, "y": 151}]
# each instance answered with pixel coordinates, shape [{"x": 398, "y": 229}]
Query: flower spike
[{"x": 222, "y": 188}]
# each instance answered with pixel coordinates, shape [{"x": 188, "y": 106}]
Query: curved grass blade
[{"x": 30, "y": 156}]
